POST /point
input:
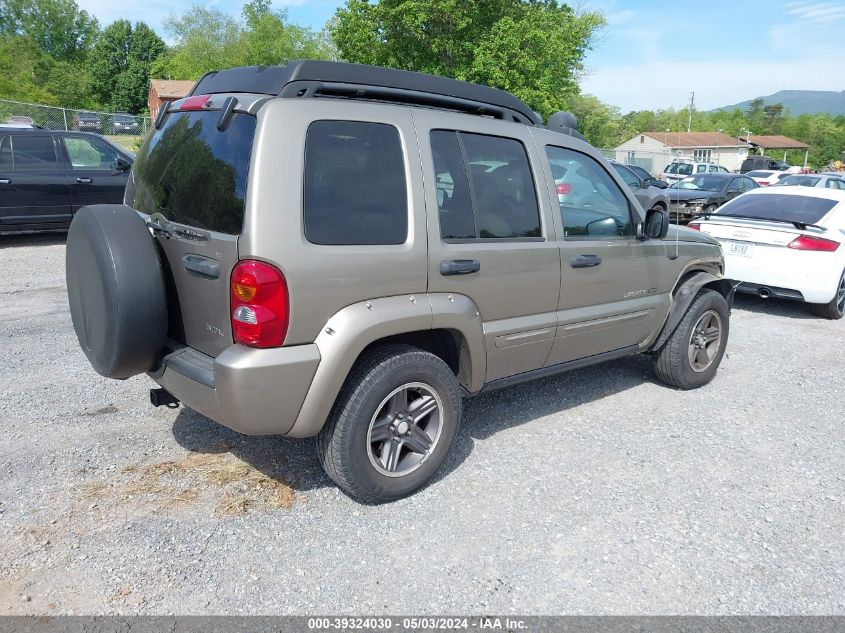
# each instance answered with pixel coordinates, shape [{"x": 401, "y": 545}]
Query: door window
[
  {"x": 627, "y": 175},
  {"x": 737, "y": 185},
  {"x": 591, "y": 203},
  {"x": 33, "y": 152},
  {"x": 86, "y": 154},
  {"x": 484, "y": 187},
  {"x": 355, "y": 191}
]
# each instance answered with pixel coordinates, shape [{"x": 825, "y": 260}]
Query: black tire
[
  {"x": 672, "y": 362},
  {"x": 343, "y": 446},
  {"x": 116, "y": 290},
  {"x": 835, "y": 309}
]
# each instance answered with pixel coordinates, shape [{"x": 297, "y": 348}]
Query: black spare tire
[{"x": 116, "y": 290}]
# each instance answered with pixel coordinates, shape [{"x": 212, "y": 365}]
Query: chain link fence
[{"x": 53, "y": 118}]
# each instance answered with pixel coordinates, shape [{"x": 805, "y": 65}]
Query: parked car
[
  {"x": 125, "y": 124},
  {"x": 644, "y": 175},
  {"x": 705, "y": 193},
  {"x": 87, "y": 122},
  {"x": 785, "y": 242},
  {"x": 813, "y": 180},
  {"x": 764, "y": 178},
  {"x": 647, "y": 194},
  {"x": 45, "y": 176},
  {"x": 678, "y": 170},
  {"x": 344, "y": 297},
  {"x": 753, "y": 163},
  {"x": 22, "y": 120}
]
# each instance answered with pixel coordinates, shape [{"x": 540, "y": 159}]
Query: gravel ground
[{"x": 595, "y": 492}]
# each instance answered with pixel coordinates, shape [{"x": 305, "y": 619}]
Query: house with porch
[
  {"x": 764, "y": 144},
  {"x": 654, "y": 150}
]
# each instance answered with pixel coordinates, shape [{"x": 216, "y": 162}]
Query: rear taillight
[
  {"x": 259, "y": 304},
  {"x": 564, "y": 189},
  {"x": 810, "y": 243},
  {"x": 763, "y": 183},
  {"x": 694, "y": 227}
]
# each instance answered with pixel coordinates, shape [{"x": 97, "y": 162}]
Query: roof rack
[{"x": 311, "y": 78}]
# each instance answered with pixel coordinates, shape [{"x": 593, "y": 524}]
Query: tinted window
[
  {"x": 772, "y": 206},
  {"x": 759, "y": 174},
  {"x": 630, "y": 179},
  {"x": 484, "y": 187},
  {"x": 591, "y": 203},
  {"x": 642, "y": 173},
  {"x": 355, "y": 189},
  {"x": 193, "y": 173},
  {"x": 86, "y": 154},
  {"x": 806, "y": 181},
  {"x": 502, "y": 187},
  {"x": 704, "y": 182},
  {"x": 454, "y": 202},
  {"x": 33, "y": 152}
]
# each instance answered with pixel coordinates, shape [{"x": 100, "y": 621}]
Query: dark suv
[{"x": 45, "y": 176}]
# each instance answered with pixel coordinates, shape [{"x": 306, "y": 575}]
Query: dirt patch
[{"x": 237, "y": 485}]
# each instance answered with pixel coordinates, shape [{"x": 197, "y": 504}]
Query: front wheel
[
  {"x": 393, "y": 424},
  {"x": 691, "y": 356},
  {"x": 836, "y": 308}
]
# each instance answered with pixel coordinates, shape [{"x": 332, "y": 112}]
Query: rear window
[
  {"x": 684, "y": 169},
  {"x": 759, "y": 174},
  {"x": 771, "y": 206},
  {"x": 192, "y": 173},
  {"x": 804, "y": 181}
]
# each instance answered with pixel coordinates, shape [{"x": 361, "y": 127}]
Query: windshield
[
  {"x": 684, "y": 169},
  {"x": 771, "y": 206},
  {"x": 193, "y": 173},
  {"x": 705, "y": 183},
  {"x": 804, "y": 181}
]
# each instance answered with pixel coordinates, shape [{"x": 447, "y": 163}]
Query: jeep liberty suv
[{"x": 346, "y": 251}]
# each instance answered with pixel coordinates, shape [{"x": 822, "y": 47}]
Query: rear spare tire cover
[{"x": 116, "y": 290}]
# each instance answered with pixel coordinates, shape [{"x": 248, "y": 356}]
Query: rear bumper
[
  {"x": 252, "y": 391},
  {"x": 810, "y": 277},
  {"x": 769, "y": 291}
]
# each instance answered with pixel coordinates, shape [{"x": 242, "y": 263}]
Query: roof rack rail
[{"x": 311, "y": 78}]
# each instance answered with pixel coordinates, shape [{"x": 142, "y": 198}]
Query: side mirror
[
  {"x": 656, "y": 225},
  {"x": 121, "y": 165}
]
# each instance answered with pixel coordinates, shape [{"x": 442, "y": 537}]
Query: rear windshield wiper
[{"x": 796, "y": 223}]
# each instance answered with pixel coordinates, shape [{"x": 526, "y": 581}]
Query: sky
[{"x": 652, "y": 53}]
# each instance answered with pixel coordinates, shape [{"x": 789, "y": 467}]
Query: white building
[{"x": 654, "y": 150}]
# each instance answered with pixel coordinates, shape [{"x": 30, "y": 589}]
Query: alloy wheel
[{"x": 704, "y": 341}]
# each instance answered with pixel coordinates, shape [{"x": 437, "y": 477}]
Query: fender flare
[
  {"x": 685, "y": 293},
  {"x": 349, "y": 331}
]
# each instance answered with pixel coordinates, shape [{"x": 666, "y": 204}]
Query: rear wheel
[
  {"x": 393, "y": 424},
  {"x": 691, "y": 356},
  {"x": 836, "y": 308}
]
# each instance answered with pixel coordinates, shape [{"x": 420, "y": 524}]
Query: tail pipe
[
  {"x": 163, "y": 398},
  {"x": 764, "y": 293}
]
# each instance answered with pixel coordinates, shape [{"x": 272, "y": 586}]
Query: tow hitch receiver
[{"x": 163, "y": 398}]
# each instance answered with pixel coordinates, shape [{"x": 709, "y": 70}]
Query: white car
[
  {"x": 764, "y": 178},
  {"x": 785, "y": 242},
  {"x": 680, "y": 169},
  {"x": 813, "y": 180}
]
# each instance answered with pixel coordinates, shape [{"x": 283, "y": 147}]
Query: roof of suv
[{"x": 311, "y": 78}]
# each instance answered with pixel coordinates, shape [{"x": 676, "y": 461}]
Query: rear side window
[
  {"x": 786, "y": 208},
  {"x": 355, "y": 190},
  {"x": 193, "y": 173},
  {"x": 485, "y": 189},
  {"x": 33, "y": 153}
]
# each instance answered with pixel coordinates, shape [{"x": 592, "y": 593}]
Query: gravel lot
[{"x": 595, "y": 492}]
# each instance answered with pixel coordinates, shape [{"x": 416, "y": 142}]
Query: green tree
[
  {"x": 58, "y": 27},
  {"x": 207, "y": 39},
  {"x": 532, "y": 48},
  {"x": 120, "y": 65},
  {"x": 24, "y": 69}
]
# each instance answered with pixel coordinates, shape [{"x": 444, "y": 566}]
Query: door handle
[
  {"x": 459, "y": 267},
  {"x": 5, "y": 181},
  {"x": 585, "y": 261},
  {"x": 84, "y": 181}
]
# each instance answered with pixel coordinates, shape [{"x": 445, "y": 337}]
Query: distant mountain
[{"x": 802, "y": 101}]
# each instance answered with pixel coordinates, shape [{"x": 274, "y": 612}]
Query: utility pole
[{"x": 691, "y": 108}]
